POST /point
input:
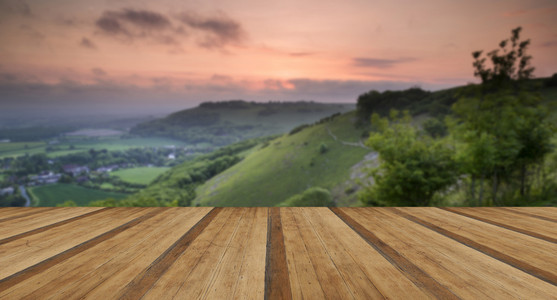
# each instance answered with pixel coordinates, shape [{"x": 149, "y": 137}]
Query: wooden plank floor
[{"x": 278, "y": 253}]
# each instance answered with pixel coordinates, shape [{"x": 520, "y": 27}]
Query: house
[
  {"x": 81, "y": 179},
  {"x": 7, "y": 191},
  {"x": 171, "y": 156},
  {"x": 106, "y": 169},
  {"x": 75, "y": 169},
  {"x": 45, "y": 178}
]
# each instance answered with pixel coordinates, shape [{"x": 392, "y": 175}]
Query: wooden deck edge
[
  {"x": 277, "y": 281},
  {"x": 420, "y": 278},
  {"x": 509, "y": 260},
  {"x": 506, "y": 226},
  {"x": 50, "y": 226},
  {"x": 145, "y": 280},
  {"x": 56, "y": 259}
]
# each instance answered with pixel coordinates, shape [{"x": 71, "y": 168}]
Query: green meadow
[
  {"x": 142, "y": 175},
  {"x": 72, "y": 144},
  {"x": 51, "y": 195}
]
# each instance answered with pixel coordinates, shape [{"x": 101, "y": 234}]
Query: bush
[
  {"x": 435, "y": 128},
  {"x": 323, "y": 148},
  {"x": 314, "y": 196}
]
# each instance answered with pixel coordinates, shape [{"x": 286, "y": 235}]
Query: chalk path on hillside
[{"x": 358, "y": 144}]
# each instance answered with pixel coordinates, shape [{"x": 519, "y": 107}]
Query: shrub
[{"x": 314, "y": 196}]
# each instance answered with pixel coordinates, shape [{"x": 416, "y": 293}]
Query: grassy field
[
  {"x": 80, "y": 144},
  {"x": 50, "y": 195},
  {"x": 20, "y": 148},
  {"x": 107, "y": 186},
  {"x": 288, "y": 166},
  {"x": 143, "y": 175}
]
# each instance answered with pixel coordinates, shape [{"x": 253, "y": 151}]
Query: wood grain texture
[
  {"x": 530, "y": 255},
  {"x": 531, "y": 226},
  {"x": 414, "y": 273},
  {"x": 13, "y": 232},
  {"x": 16, "y": 271},
  {"x": 537, "y": 214},
  {"x": 278, "y": 253},
  {"x": 110, "y": 265},
  {"x": 546, "y": 212},
  {"x": 7, "y": 214},
  {"x": 459, "y": 268},
  {"x": 144, "y": 280},
  {"x": 375, "y": 277},
  {"x": 277, "y": 283}
]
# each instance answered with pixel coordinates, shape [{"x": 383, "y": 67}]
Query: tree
[
  {"x": 502, "y": 124},
  {"x": 512, "y": 64},
  {"x": 413, "y": 167}
]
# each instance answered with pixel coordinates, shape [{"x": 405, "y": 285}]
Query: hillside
[
  {"x": 223, "y": 123},
  {"x": 322, "y": 155},
  {"x": 267, "y": 171}
]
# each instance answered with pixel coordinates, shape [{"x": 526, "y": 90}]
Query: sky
[{"x": 160, "y": 56}]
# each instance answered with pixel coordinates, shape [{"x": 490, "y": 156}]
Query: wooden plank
[
  {"x": 23, "y": 212},
  {"x": 302, "y": 275},
  {"x": 9, "y": 209},
  {"x": 30, "y": 222},
  {"x": 251, "y": 280},
  {"x": 328, "y": 276},
  {"x": 199, "y": 281},
  {"x": 366, "y": 271},
  {"x": 146, "y": 259},
  {"x": 20, "y": 254},
  {"x": 465, "y": 271},
  {"x": 414, "y": 273},
  {"x": 187, "y": 276},
  {"x": 277, "y": 283},
  {"x": 548, "y": 212},
  {"x": 44, "y": 224},
  {"x": 528, "y": 254},
  {"x": 225, "y": 278},
  {"x": 12, "y": 211},
  {"x": 536, "y": 214},
  {"x": 144, "y": 281},
  {"x": 58, "y": 277},
  {"x": 110, "y": 265},
  {"x": 541, "y": 229}
]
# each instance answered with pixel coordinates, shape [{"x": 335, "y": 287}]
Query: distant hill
[
  {"x": 223, "y": 123},
  {"x": 328, "y": 155}
]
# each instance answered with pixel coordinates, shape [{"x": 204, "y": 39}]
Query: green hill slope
[
  {"x": 223, "y": 123},
  {"x": 322, "y": 155}
]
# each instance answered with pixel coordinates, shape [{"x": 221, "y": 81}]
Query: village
[{"x": 93, "y": 169}]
